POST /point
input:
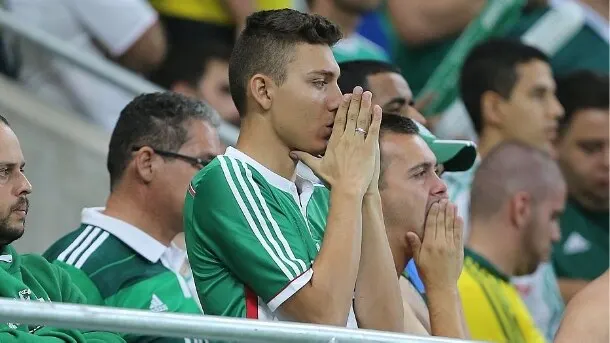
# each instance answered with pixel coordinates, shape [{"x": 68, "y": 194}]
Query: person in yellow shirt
[
  {"x": 211, "y": 18},
  {"x": 518, "y": 194}
]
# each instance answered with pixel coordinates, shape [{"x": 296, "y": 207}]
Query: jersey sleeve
[
  {"x": 236, "y": 229},
  {"x": 116, "y": 24}
]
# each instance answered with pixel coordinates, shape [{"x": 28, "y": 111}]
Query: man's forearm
[
  {"x": 446, "y": 315},
  {"x": 378, "y": 303},
  {"x": 336, "y": 266},
  {"x": 569, "y": 287}
]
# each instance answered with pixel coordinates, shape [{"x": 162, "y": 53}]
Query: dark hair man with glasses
[{"x": 122, "y": 255}]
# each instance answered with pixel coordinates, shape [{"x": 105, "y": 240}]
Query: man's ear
[
  {"x": 520, "y": 209},
  {"x": 492, "y": 109},
  {"x": 262, "y": 89},
  {"x": 145, "y": 163}
]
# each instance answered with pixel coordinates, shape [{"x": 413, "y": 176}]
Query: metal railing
[
  {"x": 96, "y": 65},
  {"x": 80, "y": 317}
]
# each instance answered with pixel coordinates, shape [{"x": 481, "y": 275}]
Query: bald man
[{"x": 518, "y": 194}]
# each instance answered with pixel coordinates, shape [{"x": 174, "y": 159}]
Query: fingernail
[
  {"x": 293, "y": 155},
  {"x": 357, "y": 90},
  {"x": 346, "y": 97}
]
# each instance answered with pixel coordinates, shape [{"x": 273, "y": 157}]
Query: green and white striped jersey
[
  {"x": 116, "y": 264},
  {"x": 252, "y": 236}
]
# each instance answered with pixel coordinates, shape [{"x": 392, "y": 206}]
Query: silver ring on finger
[{"x": 361, "y": 130}]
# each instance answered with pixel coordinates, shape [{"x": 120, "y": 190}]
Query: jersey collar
[
  {"x": 485, "y": 264},
  {"x": 274, "y": 179},
  {"x": 138, "y": 240}
]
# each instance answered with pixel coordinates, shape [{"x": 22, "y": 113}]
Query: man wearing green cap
[{"x": 414, "y": 199}]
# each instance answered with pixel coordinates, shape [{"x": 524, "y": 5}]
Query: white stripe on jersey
[
  {"x": 248, "y": 216},
  {"x": 276, "y": 228},
  {"x": 91, "y": 249},
  {"x": 75, "y": 243},
  {"x": 84, "y": 245},
  {"x": 261, "y": 220}
]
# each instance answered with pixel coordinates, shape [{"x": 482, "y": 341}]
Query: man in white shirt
[{"x": 125, "y": 31}]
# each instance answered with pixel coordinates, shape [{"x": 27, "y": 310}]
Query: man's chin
[{"x": 10, "y": 234}]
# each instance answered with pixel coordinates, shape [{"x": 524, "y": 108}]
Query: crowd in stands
[{"x": 425, "y": 167}]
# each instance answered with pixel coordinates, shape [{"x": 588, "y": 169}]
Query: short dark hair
[
  {"x": 157, "y": 120},
  {"x": 4, "y": 121},
  {"x": 492, "y": 66},
  {"x": 583, "y": 89},
  {"x": 267, "y": 43},
  {"x": 356, "y": 73},
  {"x": 188, "y": 62},
  {"x": 393, "y": 123}
]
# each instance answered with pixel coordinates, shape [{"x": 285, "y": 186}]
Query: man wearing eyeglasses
[{"x": 122, "y": 255}]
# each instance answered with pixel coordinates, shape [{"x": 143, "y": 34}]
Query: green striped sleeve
[{"x": 238, "y": 237}]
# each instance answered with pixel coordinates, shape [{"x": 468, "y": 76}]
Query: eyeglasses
[{"x": 198, "y": 163}]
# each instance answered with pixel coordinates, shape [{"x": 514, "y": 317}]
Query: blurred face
[
  {"x": 175, "y": 173},
  {"x": 357, "y": 6},
  {"x": 530, "y": 114},
  {"x": 304, "y": 106},
  {"x": 214, "y": 88},
  {"x": 14, "y": 187},
  {"x": 583, "y": 157},
  {"x": 392, "y": 92},
  {"x": 542, "y": 230},
  {"x": 410, "y": 182}
]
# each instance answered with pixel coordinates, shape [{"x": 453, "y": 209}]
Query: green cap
[{"x": 455, "y": 155}]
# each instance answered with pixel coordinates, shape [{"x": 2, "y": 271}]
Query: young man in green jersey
[
  {"x": 30, "y": 277},
  {"x": 265, "y": 243},
  {"x": 518, "y": 195},
  {"x": 509, "y": 92},
  {"x": 583, "y": 149},
  {"x": 122, "y": 255}
]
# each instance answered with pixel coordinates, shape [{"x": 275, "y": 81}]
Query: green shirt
[
  {"x": 357, "y": 47},
  {"x": 116, "y": 264},
  {"x": 31, "y": 277},
  {"x": 588, "y": 48},
  {"x": 582, "y": 252},
  {"x": 252, "y": 236}
]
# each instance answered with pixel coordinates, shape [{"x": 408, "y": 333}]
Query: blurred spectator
[
  {"x": 421, "y": 32},
  {"x": 518, "y": 194},
  {"x": 265, "y": 243},
  {"x": 406, "y": 202},
  {"x": 582, "y": 254},
  {"x": 200, "y": 71},
  {"x": 586, "y": 44},
  {"x": 196, "y": 20},
  {"x": 509, "y": 92},
  {"x": 587, "y": 317},
  {"x": 122, "y": 255},
  {"x": 30, "y": 277},
  {"x": 126, "y": 31},
  {"x": 347, "y": 14},
  {"x": 390, "y": 89}
]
